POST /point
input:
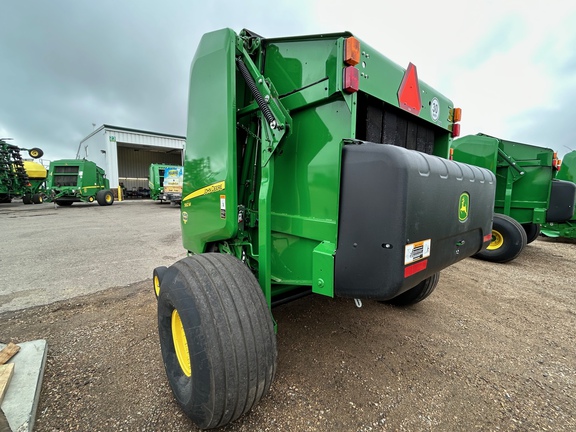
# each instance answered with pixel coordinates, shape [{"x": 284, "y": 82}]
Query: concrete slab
[{"x": 21, "y": 399}]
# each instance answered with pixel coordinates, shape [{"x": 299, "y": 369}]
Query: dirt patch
[{"x": 491, "y": 349}]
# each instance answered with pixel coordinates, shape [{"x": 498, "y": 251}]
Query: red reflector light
[
  {"x": 487, "y": 238},
  {"x": 415, "y": 268},
  {"x": 351, "y": 51},
  {"x": 409, "y": 91},
  {"x": 456, "y": 130},
  {"x": 351, "y": 80}
]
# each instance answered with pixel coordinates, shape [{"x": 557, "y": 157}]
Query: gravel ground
[{"x": 491, "y": 349}]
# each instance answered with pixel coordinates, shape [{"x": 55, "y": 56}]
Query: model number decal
[{"x": 416, "y": 251}]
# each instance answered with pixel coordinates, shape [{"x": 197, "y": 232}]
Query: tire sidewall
[{"x": 192, "y": 393}]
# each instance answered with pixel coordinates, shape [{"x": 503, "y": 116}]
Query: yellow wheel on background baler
[
  {"x": 508, "y": 240},
  {"x": 497, "y": 241}
]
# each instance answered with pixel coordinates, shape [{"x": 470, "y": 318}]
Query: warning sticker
[
  {"x": 222, "y": 206},
  {"x": 416, "y": 251}
]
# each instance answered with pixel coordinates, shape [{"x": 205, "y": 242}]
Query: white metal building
[{"x": 126, "y": 154}]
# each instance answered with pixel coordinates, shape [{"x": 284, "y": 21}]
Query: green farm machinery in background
[
  {"x": 165, "y": 182},
  {"x": 77, "y": 180},
  {"x": 567, "y": 228},
  {"x": 15, "y": 180},
  {"x": 313, "y": 164},
  {"x": 527, "y": 193}
]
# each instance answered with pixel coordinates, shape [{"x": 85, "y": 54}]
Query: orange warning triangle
[{"x": 409, "y": 91}]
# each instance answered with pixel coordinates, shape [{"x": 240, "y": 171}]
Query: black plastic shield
[{"x": 405, "y": 215}]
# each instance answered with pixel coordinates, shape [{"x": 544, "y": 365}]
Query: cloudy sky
[{"x": 68, "y": 64}]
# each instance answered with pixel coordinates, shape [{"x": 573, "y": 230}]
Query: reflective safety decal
[
  {"x": 416, "y": 251},
  {"x": 415, "y": 268}
]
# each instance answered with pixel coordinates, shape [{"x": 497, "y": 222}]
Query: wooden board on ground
[
  {"x": 6, "y": 372},
  {"x": 8, "y": 352}
]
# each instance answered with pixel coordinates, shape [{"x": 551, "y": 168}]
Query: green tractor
[
  {"x": 15, "y": 181},
  {"x": 527, "y": 194},
  {"x": 165, "y": 182},
  {"x": 77, "y": 180},
  {"x": 567, "y": 228},
  {"x": 313, "y": 165}
]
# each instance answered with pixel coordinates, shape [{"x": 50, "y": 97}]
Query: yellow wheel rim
[
  {"x": 181, "y": 344},
  {"x": 108, "y": 198},
  {"x": 497, "y": 241},
  {"x": 91, "y": 199},
  {"x": 34, "y": 153},
  {"x": 157, "y": 285}
]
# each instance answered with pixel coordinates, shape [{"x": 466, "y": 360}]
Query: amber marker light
[{"x": 351, "y": 51}]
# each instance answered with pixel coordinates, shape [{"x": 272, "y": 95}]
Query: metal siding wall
[{"x": 150, "y": 140}]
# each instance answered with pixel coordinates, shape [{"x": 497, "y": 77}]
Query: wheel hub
[
  {"x": 497, "y": 241},
  {"x": 181, "y": 344}
]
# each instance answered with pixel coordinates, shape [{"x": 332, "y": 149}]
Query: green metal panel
[
  {"x": 523, "y": 174},
  {"x": 209, "y": 195},
  {"x": 568, "y": 168}
]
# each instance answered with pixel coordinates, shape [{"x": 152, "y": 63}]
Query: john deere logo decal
[{"x": 464, "y": 207}]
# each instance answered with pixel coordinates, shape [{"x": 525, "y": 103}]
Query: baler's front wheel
[
  {"x": 217, "y": 338},
  {"x": 508, "y": 240},
  {"x": 418, "y": 293},
  {"x": 532, "y": 231}
]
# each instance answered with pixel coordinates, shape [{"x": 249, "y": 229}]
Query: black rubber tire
[
  {"x": 37, "y": 199},
  {"x": 157, "y": 276},
  {"x": 64, "y": 203},
  {"x": 418, "y": 293},
  {"x": 532, "y": 232},
  {"x": 229, "y": 333},
  {"x": 35, "y": 153},
  {"x": 27, "y": 199},
  {"x": 508, "y": 240},
  {"x": 105, "y": 197}
]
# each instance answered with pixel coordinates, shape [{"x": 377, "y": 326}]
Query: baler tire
[
  {"x": 418, "y": 293},
  {"x": 217, "y": 338},
  {"x": 532, "y": 231},
  {"x": 37, "y": 199},
  {"x": 105, "y": 197},
  {"x": 27, "y": 199},
  {"x": 508, "y": 240},
  {"x": 157, "y": 276},
  {"x": 35, "y": 153}
]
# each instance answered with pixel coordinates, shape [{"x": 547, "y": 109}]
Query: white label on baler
[
  {"x": 416, "y": 251},
  {"x": 222, "y": 206}
]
